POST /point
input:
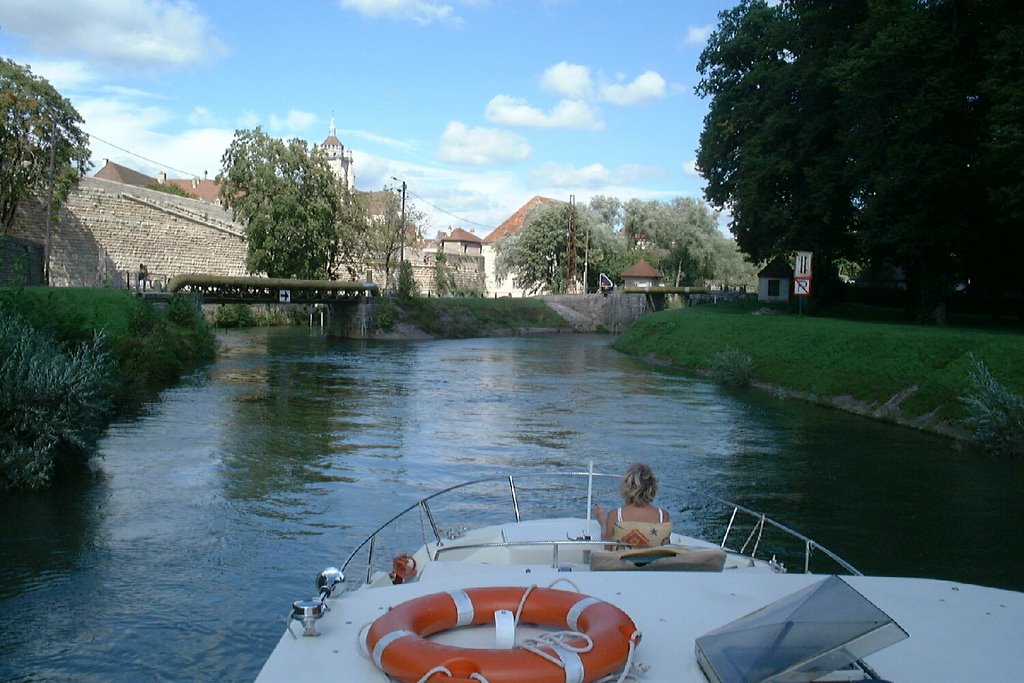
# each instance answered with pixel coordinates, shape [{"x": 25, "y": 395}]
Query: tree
[
  {"x": 384, "y": 236},
  {"x": 40, "y": 128},
  {"x": 291, "y": 202},
  {"x": 870, "y": 132},
  {"x": 444, "y": 278},
  {"x": 771, "y": 148}
]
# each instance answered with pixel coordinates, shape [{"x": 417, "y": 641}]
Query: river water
[{"x": 211, "y": 511}]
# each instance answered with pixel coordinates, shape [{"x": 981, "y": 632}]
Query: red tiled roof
[
  {"x": 642, "y": 269},
  {"x": 460, "y": 235},
  {"x": 332, "y": 141},
  {"x": 514, "y": 223},
  {"x": 123, "y": 174},
  {"x": 207, "y": 190}
]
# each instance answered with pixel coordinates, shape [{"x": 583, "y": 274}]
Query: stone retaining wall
[{"x": 106, "y": 229}]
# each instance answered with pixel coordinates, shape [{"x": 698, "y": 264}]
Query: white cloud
[
  {"x": 511, "y": 111},
  {"x": 292, "y": 122},
  {"x": 248, "y": 120},
  {"x": 591, "y": 176},
  {"x": 558, "y": 175},
  {"x": 200, "y": 116},
  {"x": 698, "y": 35},
  {"x": 690, "y": 168},
  {"x": 153, "y": 33},
  {"x": 646, "y": 87},
  {"x": 64, "y": 75},
  {"x": 127, "y": 133},
  {"x": 419, "y": 11},
  {"x": 568, "y": 80},
  {"x": 481, "y": 146},
  {"x": 374, "y": 137}
]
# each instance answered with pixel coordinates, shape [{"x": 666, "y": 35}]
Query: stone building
[
  {"x": 339, "y": 158},
  {"x": 511, "y": 226}
]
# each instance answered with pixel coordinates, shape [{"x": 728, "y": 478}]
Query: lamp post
[{"x": 401, "y": 243}]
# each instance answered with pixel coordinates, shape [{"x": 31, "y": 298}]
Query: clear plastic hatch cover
[{"x": 803, "y": 636}]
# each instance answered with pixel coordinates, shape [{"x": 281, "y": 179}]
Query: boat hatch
[{"x": 803, "y": 636}]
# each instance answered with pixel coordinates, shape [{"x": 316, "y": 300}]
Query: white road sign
[{"x": 802, "y": 267}]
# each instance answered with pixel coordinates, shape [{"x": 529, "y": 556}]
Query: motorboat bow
[{"x": 538, "y": 596}]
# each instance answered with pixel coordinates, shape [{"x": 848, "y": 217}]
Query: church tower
[{"x": 339, "y": 158}]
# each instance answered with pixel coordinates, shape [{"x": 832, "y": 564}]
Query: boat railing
[{"x": 738, "y": 519}]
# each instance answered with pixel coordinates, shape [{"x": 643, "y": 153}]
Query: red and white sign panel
[{"x": 802, "y": 286}]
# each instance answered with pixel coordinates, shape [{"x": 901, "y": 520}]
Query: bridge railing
[{"x": 254, "y": 290}]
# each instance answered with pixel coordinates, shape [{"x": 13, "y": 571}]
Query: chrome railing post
[
  {"x": 369, "y": 558},
  {"x": 515, "y": 498},
  {"x": 430, "y": 518}
]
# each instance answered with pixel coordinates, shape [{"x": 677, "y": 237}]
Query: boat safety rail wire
[{"x": 546, "y": 477}]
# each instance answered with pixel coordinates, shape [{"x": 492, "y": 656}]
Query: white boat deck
[{"x": 958, "y": 632}]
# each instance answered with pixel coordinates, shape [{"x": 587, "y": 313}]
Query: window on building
[{"x": 773, "y": 288}]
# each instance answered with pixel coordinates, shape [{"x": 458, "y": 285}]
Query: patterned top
[{"x": 641, "y": 533}]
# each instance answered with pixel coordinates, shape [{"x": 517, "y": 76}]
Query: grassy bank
[
  {"x": 150, "y": 348},
  {"x": 472, "y": 317},
  {"x": 71, "y": 358},
  {"x": 911, "y": 374}
]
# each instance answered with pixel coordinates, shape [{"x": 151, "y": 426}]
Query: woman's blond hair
[{"x": 638, "y": 485}]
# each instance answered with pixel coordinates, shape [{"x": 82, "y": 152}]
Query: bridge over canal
[{"x": 352, "y": 305}]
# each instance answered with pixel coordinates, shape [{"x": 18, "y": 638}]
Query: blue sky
[{"x": 477, "y": 105}]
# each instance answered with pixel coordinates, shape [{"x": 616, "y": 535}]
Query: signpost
[
  {"x": 284, "y": 296},
  {"x": 802, "y": 276}
]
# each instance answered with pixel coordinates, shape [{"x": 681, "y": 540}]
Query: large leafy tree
[
  {"x": 538, "y": 257},
  {"x": 39, "y": 127},
  {"x": 869, "y": 130},
  {"x": 771, "y": 146},
  {"x": 298, "y": 216}
]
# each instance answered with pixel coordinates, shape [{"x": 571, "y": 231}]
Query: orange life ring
[{"x": 397, "y": 640}]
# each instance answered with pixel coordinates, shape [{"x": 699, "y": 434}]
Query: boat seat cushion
[{"x": 662, "y": 558}]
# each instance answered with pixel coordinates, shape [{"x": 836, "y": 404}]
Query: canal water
[{"x": 211, "y": 511}]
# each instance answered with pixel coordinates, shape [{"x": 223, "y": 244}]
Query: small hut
[
  {"x": 642, "y": 274},
  {"x": 775, "y": 281}
]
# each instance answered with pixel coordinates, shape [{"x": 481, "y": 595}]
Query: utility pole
[
  {"x": 49, "y": 203},
  {"x": 570, "y": 261},
  {"x": 401, "y": 247}
]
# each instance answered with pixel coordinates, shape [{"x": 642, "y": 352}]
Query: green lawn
[{"x": 829, "y": 357}]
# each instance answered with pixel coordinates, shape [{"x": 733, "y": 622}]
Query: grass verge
[{"x": 859, "y": 363}]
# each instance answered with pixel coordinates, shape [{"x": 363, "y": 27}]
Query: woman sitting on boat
[{"x": 638, "y": 522}]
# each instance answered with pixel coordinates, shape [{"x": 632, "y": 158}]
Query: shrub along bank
[
  {"x": 72, "y": 358},
  {"x": 921, "y": 376}
]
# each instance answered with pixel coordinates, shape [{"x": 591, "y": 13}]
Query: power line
[
  {"x": 152, "y": 161},
  {"x": 449, "y": 213}
]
